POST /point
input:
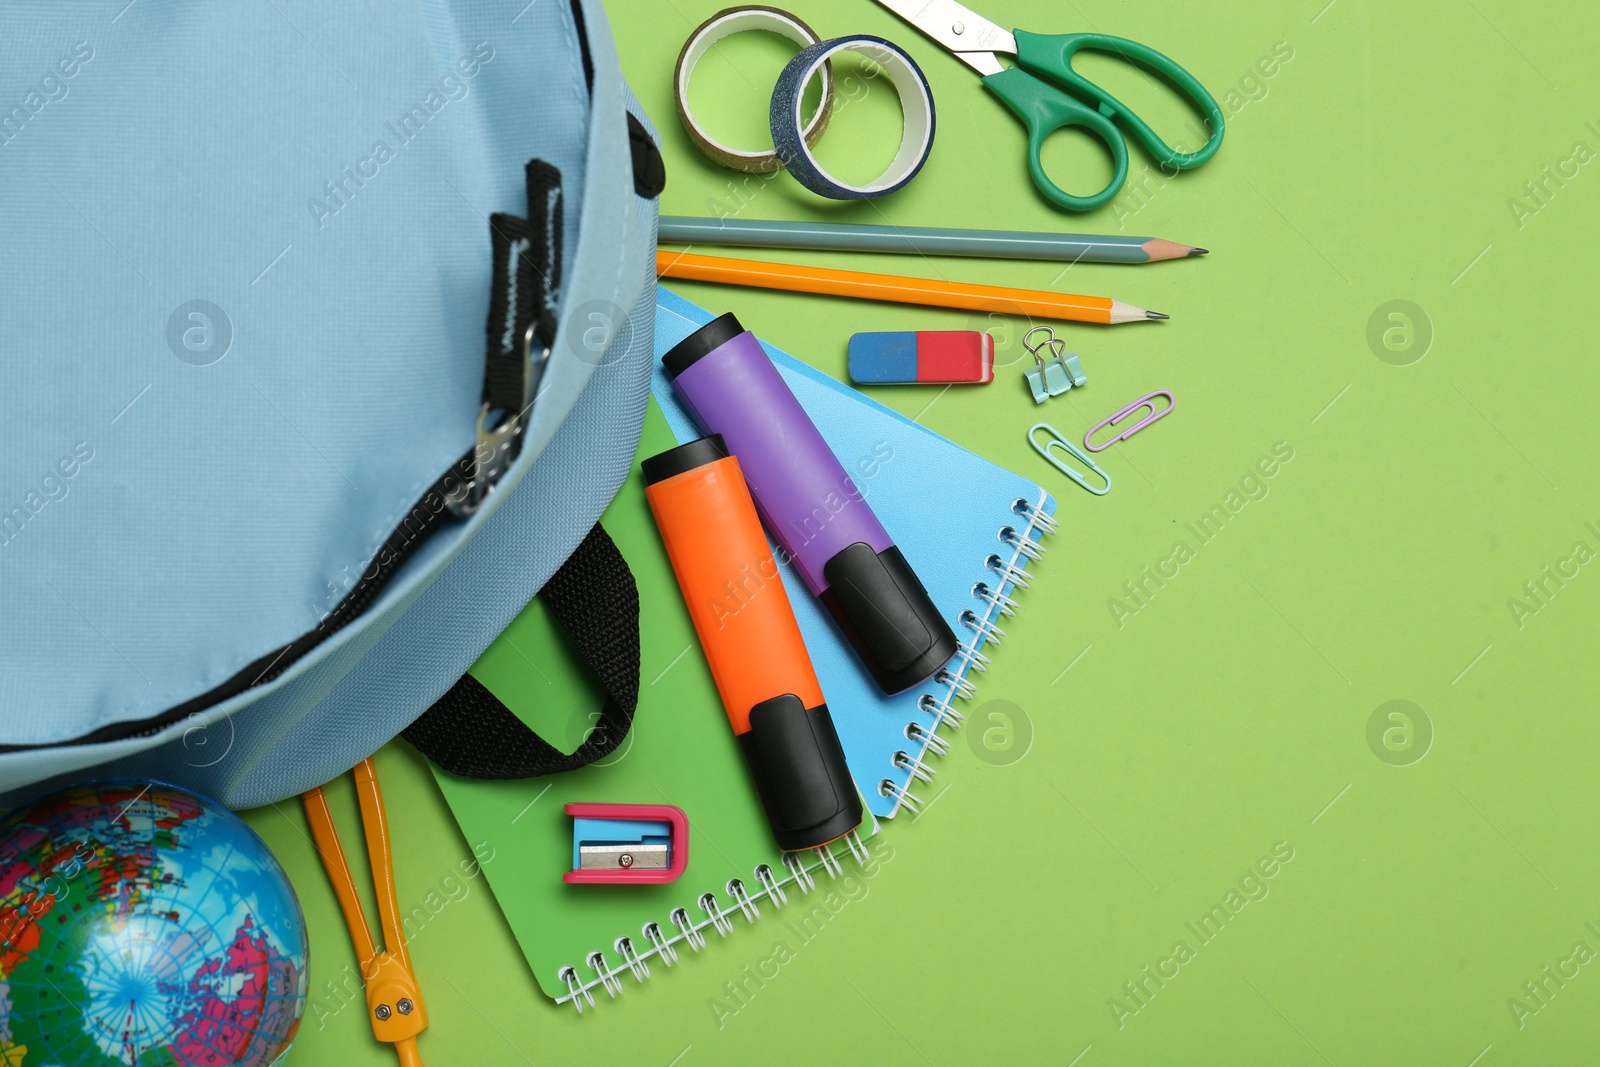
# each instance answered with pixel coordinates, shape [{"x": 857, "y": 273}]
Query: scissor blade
[{"x": 971, "y": 37}]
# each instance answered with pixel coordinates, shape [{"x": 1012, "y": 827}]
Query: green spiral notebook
[{"x": 680, "y": 751}]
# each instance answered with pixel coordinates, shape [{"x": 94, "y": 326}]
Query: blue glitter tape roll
[{"x": 916, "y": 103}]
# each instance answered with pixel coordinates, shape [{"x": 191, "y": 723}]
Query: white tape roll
[{"x": 724, "y": 24}]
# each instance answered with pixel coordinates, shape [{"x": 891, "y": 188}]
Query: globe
[{"x": 141, "y": 924}]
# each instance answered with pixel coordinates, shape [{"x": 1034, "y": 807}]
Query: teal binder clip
[
  {"x": 1075, "y": 369},
  {"x": 1057, "y": 373},
  {"x": 1056, "y": 441}
]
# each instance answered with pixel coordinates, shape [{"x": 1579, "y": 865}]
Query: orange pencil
[{"x": 890, "y": 287}]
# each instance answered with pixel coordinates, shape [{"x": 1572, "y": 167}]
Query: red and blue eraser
[
  {"x": 619, "y": 844},
  {"x": 922, "y": 357}
]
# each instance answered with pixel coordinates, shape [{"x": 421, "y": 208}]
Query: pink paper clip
[{"x": 1146, "y": 401}]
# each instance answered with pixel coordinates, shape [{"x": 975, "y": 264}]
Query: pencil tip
[
  {"x": 1198, "y": 251},
  {"x": 1156, "y": 315}
]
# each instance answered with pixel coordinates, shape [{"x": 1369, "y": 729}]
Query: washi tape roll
[
  {"x": 724, "y": 24},
  {"x": 916, "y": 103}
]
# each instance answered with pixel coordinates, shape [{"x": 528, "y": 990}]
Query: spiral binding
[
  {"x": 918, "y": 769},
  {"x": 797, "y": 869},
  {"x": 995, "y": 600},
  {"x": 1007, "y": 606},
  {"x": 741, "y": 898},
  {"x": 903, "y": 797},
  {"x": 640, "y": 969},
  {"x": 663, "y": 947},
  {"x": 942, "y": 712},
  {"x": 1026, "y": 545},
  {"x": 985, "y": 626},
  {"x": 769, "y": 883},
  {"x": 858, "y": 849},
  {"x": 689, "y": 931},
  {"x": 930, "y": 741},
  {"x": 830, "y": 862},
  {"x": 719, "y": 917}
]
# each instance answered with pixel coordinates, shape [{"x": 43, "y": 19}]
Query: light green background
[{"x": 1231, "y": 711}]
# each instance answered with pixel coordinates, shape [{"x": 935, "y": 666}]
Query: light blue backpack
[{"x": 268, "y": 484}]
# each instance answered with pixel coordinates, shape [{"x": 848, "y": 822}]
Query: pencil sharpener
[{"x": 622, "y": 844}]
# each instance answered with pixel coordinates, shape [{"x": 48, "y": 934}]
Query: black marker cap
[
  {"x": 697, "y": 453},
  {"x": 798, "y": 764},
  {"x": 887, "y": 615},
  {"x": 713, "y": 335}
]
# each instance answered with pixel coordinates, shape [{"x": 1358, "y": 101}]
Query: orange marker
[
  {"x": 758, "y": 659},
  {"x": 891, "y": 287}
]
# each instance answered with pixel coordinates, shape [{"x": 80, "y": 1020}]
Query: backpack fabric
[{"x": 249, "y": 267}]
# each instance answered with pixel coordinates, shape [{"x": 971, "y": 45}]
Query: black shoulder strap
[{"x": 593, "y": 597}]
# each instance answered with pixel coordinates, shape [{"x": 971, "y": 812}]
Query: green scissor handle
[{"x": 1042, "y": 111}]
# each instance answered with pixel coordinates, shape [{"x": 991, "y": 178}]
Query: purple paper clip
[{"x": 1146, "y": 401}]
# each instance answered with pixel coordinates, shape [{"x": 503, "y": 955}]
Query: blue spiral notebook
[{"x": 967, "y": 526}]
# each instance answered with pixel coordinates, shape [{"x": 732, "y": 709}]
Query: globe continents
[{"x": 140, "y": 924}]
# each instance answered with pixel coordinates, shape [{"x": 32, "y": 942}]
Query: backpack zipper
[{"x": 425, "y": 517}]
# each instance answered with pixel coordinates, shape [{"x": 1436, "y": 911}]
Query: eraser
[{"x": 922, "y": 357}]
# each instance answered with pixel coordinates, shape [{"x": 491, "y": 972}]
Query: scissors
[{"x": 1043, "y": 59}]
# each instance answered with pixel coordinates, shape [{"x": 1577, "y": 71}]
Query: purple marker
[{"x": 810, "y": 505}]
